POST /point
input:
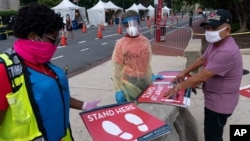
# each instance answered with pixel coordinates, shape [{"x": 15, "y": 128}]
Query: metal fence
[{"x": 171, "y": 36}]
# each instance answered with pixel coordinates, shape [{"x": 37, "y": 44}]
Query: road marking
[
  {"x": 81, "y": 42},
  {"x": 104, "y": 43},
  {"x": 124, "y": 32},
  {"x": 108, "y": 36},
  {"x": 84, "y": 49},
  {"x": 57, "y": 57},
  {"x": 143, "y": 27},
  {"x": 61, "y": 46},
  {"x": 145, "y": 31}
]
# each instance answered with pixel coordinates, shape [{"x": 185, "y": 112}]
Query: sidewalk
[{"x": 96, "y": 83}]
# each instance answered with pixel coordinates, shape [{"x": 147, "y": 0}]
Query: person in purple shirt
[{"x": 221, "y": 74}]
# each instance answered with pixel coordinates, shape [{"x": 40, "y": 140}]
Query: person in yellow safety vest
[{"x": 34, "y": 93}]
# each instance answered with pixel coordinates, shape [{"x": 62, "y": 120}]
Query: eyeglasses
[{"x": 55, "y": 41}]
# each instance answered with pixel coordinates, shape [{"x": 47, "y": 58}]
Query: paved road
[{"x": 85, "y": 50}]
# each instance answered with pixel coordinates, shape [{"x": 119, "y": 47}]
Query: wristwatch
[{"x": 175, "y": 88}]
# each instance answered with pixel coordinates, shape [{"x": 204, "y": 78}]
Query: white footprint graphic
[
  {"x": 136, "y": 120},
  {"x": 113, "y": 129}
]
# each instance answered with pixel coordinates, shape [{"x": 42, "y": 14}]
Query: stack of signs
[
  {"x": 154, "y": 92},
  {"x": 123, "y": 122},
  {"x": 245, "y": 91}
]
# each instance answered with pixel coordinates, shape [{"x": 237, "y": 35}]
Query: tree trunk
[
  {"x": 243, "y": 25},
  {"x": 242, "y": 10}
]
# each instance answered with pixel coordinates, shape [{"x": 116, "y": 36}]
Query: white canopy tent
[
  {"x": 112, "y": 5},
  {"x": 141, "y": 7},
  {"x": 67, "y": 7},
  {"x": 96, "y": 14},
  {"x": 133, "y": 7},
  {"x": 151, "y": 11},
  {"x": 166, "y": 10}
]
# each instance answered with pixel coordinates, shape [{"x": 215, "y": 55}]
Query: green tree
[
  {"x": 240, "y": 8},
  {"x": 25, "y": 2},
  {"x": 49, "y": 3}
]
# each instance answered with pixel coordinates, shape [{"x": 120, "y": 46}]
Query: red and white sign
[
  {"x": 123, "y": 122},
  {"x": 154, "y": 92},
  {"x": 245, "y": 91}
]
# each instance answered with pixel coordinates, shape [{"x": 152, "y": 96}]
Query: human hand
[
  {"x": 157, "y": 76},
  {"x": 119, "y": 97},
  {"x": 180, "y": 77},
  {"x": 90, "y": 105},
  {"x": 171, "y": 92}
]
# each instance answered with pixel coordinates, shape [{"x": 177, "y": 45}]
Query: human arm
[
  {"x": 117, "y": 67},
  {"x": 71, "y": 23},
  {"x": 219, "y": 64},
  {"x": 154, "y": 77},
  {"x": 117, "y": 83},
  {"x": 4, "y": 89},
  {"x": 195, "y": 65},
  {"x": 75, "y": 103},
  {"x": 117, "y": 73},
  {"x": 192, "y": 81},
  {"x": 80, "y": 105}
]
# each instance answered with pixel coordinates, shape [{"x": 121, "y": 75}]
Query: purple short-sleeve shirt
[{"x": 222, "y": 90}]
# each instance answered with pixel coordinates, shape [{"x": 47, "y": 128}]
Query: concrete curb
[{"x": 245, "y": 51}]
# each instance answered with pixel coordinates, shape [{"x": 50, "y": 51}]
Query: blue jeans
[{"x": 214, "y": 124}]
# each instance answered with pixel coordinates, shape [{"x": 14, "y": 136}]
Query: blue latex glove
[
  {"x": 157, "y": 76},
  {"x": 119, "y": 97}
]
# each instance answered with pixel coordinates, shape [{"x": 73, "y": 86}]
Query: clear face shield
[{"x": 133, "y": 26}]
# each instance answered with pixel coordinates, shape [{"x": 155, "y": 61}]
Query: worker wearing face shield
[
  {"x": 131, "y": 70},
  {"x": 132, "y": 26}
]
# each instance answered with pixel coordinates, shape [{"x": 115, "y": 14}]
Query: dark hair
[{"x": 38, "y": 19}]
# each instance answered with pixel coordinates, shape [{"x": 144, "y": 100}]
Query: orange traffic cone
[
  {"x": 63, "y": 40},
  {"x": 119, "y": 30},
  {"x": 99, "y": 33},
  {"x": 84, "y": 28}
]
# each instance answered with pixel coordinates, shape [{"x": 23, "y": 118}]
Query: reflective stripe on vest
[{"x": 19, "y": 123}]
